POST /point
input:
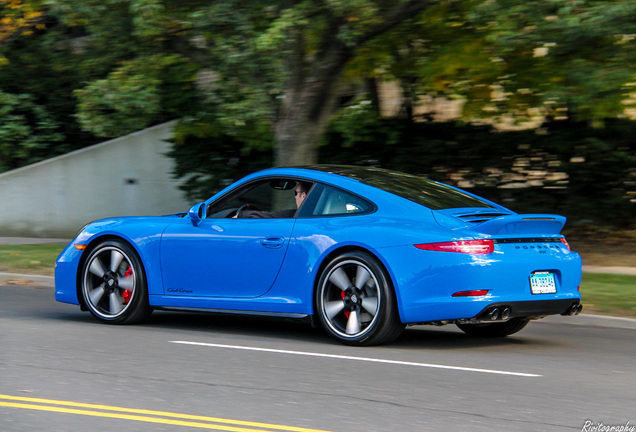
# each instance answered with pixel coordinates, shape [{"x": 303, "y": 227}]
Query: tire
[
  {"x": 355, "y": 301},
  {"x": 113, "y": 284},
  {"x": 495, "y": 329}
]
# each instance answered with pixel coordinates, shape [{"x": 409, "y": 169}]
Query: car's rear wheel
[
  {"x": 495, "y": 329},
  {"x": 355, "y": 301},
  {"x": 114, "y": 285}
]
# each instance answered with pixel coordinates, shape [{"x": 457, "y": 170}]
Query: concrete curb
[
  {"x": 28, "y": 280},
  {"x": 32, "y": 240},
  {"x": 591, "y": 320}
]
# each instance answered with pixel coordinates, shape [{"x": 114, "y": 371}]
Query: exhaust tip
[
  {"x": 573, "y": 310},
  {"x": 505, "y": 314},
  {"x": 493, "y": 314}
]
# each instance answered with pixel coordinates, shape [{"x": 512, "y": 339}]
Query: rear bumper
[
  {"x": 525, "y": 309},
  {"x": 425, "y": 282},
  {"x": 538, "y": 307}
]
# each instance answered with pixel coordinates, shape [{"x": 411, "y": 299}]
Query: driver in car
[{"x": 302, "y": 188}]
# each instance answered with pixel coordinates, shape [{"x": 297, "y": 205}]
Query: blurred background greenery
[{"x": 530, "y": 104}]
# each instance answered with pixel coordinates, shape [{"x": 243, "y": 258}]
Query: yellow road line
[{"x": 127, "y": 414}]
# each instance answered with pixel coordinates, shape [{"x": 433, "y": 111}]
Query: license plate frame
[{"x": 543, "y": 282}]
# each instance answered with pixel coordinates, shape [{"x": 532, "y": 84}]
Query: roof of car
[{"x": 351, "y": 171}]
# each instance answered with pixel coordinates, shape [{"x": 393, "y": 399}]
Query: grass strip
[
  {"x": 609, "y": 294},
  {"x": 29, "y": 259}
]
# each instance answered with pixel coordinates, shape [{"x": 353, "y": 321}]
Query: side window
[
  {"x": 330, "y": 201},
  {"x": 271, "y": 198}
]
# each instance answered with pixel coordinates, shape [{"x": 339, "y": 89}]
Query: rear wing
[{"x": 521, "y": 224}]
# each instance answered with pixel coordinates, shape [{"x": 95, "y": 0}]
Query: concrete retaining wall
[{"x": 127, "y": 176}]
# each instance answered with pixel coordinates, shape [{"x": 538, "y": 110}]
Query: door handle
[{"x": 273, "y": 242}]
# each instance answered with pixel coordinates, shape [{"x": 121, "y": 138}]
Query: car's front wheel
[
  {"x": 495, "y": 329},
  {"x": 355, "y": 301},
  {"x": 113, "y": 284}
]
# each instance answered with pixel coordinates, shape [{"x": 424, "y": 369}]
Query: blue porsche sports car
[{"x": 361, "y": 251}]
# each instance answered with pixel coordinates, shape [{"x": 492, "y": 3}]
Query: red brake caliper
[
  {"x": 343, "y": 295},
  {"x": 127, "y": 293}
]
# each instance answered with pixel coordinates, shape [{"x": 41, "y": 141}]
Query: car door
[
  {"x": 238, "y": 249},
  {"x": 234, "y": 258}
]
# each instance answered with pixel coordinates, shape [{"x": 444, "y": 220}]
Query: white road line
[{"x": 363, "y": 359}]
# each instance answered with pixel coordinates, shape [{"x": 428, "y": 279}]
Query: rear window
[
  {"x": 436, "y": 196},
  {"x": 428, "y": 193}
]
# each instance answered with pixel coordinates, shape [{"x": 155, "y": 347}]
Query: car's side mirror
[{"x": 197, "y": 213}]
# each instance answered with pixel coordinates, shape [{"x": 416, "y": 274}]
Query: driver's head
[{"x": 301, "y": 192}]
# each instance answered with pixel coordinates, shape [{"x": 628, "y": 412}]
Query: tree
[
  {"x": 278, "y": 65},
  {"x": 559, "y": 59},
  {"x": 27, "y": 132},
  {"x": 310, "y": 87},
  {"x": 255, "y": 78},
  {"x": 19, "y": 18}
]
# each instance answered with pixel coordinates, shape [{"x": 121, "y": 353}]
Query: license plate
[{"x": 542, "y": 283}]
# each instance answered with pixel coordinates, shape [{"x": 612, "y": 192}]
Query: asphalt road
[{"x": 61, "y": 371}]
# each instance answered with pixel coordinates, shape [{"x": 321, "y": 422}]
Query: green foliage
[
  {"x": 27, "y": 131},
  {"x": 359, "y": 125},
  {"x": 45, "y": 67},
  {"x": 118, "y": 104},
  {"x": 130, "y": 97},
  {"x": 517, "y": 59},
  {"x": 95, "y": 69},
  {"x": 207, "y": 159},
  {"x": 563, "y": 57}
]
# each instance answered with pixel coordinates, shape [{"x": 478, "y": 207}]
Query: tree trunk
[
  {"x": 303, "y": 122},
  {"x": 296, "y": 140},
  {"x": 310, "y": 95},
  {"x": 309, "y": 102}
]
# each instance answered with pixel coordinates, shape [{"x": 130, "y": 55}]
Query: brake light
[
  {"x": 473, "y": 247},
  {"x": 565, "y": 242}
]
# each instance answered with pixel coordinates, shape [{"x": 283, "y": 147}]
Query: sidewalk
[
  {"x": 610, "y": 270},
  {"x": 26, "y": 280}
]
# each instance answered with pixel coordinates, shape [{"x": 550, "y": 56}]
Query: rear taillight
[
  {"x": 565, "y": 242},
  {"x": 473, "y": 247}
]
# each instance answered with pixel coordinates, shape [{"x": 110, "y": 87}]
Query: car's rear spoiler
[{"x": 521, "y": 224}]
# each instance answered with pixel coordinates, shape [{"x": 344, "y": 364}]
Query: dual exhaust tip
[
  {"x": 575, "y": 309},
  {"x": 497, "y": 314}
]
